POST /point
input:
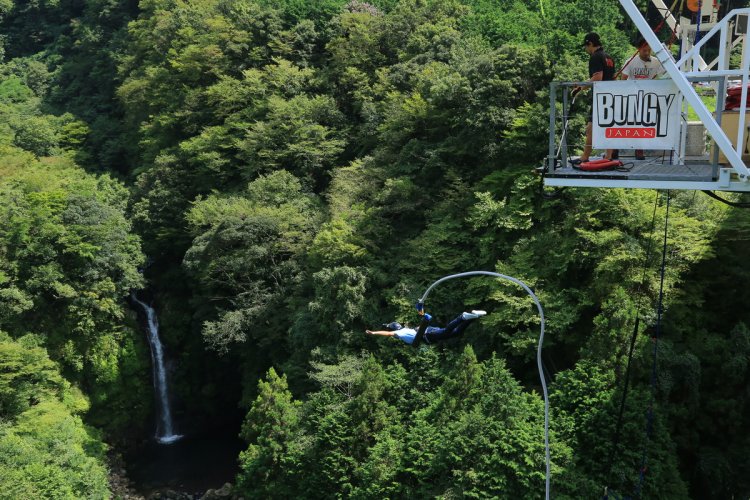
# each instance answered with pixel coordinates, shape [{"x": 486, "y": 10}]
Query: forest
[{"x": 276, "y": 177}]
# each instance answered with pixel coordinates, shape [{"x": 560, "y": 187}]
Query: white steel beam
[
  {"x": 718, "y": 72},
  {"x": 686, "y": 88},
  {"x": 695, "y": 49},
  {"x": 723, "y": 53}
]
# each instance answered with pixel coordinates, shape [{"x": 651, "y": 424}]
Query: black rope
[
  {"x": 633, "y": 337},
  {"x": 624, "y": 167},
  {"x": 655, "y": 339},
  {"x": 735, "y": 204}
]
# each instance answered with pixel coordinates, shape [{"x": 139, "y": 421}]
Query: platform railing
[{"x": 559, "y": 137}]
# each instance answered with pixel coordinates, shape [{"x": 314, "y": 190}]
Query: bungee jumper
[
  {"x": 459, "y": 324},
  {"x": 431, "y": 333}
]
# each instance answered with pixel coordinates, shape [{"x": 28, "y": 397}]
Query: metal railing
[{"x": 560, "y": 94}]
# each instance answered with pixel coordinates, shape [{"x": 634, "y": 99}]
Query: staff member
[
  {"x": 601, "y": 69},
  {"x": 642, "y": 67}
]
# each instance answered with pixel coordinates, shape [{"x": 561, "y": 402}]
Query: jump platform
[{"x": 696, "y": 173}]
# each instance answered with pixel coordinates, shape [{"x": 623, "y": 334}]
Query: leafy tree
[
  {"x": 271, "y": 422},
  {"x": 45, "y": 450},
  {"x": 248, "y": 247},
  {"x": 301, "y": 170},
  {"x": 296, "y": 136},
  {"x": 69, "y": 259}
]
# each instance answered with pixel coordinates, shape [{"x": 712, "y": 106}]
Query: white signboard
[{"x": 636, "y": 114}]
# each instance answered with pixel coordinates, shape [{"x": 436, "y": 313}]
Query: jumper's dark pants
[{"x": 452, "y": 329}]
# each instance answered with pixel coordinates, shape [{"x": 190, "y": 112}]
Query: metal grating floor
[{"x": 650, "y": 169}]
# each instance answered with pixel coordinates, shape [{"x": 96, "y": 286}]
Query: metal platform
[
  {"x": 650, "y": 169},
  {"x": 679, "y": 172},
  {"x": 652, "y": 173}
]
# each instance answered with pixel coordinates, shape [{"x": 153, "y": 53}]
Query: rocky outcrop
[
  {"x": 119, "y": 484},
  {"x": 223, "y": 493}
]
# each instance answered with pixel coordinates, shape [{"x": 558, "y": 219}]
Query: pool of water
[{"x": 191, "y": 464}]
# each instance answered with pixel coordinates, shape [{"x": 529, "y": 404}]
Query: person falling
[{"x": 433, "y": 333}]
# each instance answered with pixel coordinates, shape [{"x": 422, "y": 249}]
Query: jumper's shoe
[
  {"x": 479, "y": 313},
  {"x": 472, "y": 315}
]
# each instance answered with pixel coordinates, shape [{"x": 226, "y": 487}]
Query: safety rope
[
  {"x": 655, "y": 340},
  {"x": 633, "y": 337}
]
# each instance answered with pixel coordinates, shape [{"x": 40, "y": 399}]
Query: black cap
[
  {"x": 393, "y": 326},
  {"x": 592, "y": 38}
]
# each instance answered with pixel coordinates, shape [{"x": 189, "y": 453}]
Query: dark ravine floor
[{"x": 190, "y": 466}]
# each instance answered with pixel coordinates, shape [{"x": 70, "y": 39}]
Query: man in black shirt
[{"x": 601, "y": 68}]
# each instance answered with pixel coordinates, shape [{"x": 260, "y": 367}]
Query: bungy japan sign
[{"x": 636, "y": 114}]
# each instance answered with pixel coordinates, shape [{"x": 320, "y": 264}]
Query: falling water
[{"x": 164, "y": 429}]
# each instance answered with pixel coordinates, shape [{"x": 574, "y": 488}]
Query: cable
[
  {"x": 539, "y": 364},
  {"x": 566, "y": 118},
  {"x": 735, "y": 204},
  {"x": 646, "y": 260},
  {"x": 657, "y": 334}
]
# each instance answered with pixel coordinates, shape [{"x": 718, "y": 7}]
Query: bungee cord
[{"x": 420, "y": 309}]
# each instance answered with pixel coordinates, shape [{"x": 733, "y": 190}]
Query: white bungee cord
[{"x": 538, "y": 351}]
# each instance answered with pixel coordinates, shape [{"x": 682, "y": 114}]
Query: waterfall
[{"x": 164, "y": 428}]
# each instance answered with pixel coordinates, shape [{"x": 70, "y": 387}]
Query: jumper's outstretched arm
[{"x": 384, "y": 333}]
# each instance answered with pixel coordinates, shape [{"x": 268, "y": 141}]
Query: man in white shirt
[{"x": 642, "y": 67}]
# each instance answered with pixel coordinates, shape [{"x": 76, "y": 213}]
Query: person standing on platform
[
  {"x": 642, "y": 67},
  {"x": 601, "y": 69}
]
